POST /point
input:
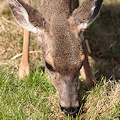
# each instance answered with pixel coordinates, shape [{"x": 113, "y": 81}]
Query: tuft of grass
[
  {"x": 103, "y": 102},
  {"x": 26, "y": 98}
]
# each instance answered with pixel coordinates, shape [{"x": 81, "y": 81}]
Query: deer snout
[
  {"x": 71, "y": 110},
  {"x": 68, "y": 95}
]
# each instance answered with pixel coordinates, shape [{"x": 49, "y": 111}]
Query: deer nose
[{"x": 71, "y": 110}]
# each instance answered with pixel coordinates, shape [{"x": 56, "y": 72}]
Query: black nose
[{"x": 71, "y": 110}]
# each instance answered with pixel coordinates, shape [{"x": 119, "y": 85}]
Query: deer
[{"x": 60, "y": 26}]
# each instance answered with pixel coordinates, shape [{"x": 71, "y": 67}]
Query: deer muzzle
[{"x": 68, "y": 96}]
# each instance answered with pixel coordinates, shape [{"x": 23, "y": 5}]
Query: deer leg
[
  {"x": 86, "y": 72},
  {"x": 24, "y": 65}
]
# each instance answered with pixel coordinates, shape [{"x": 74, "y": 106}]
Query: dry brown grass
[
  {"x": 3, "y": 6},
  {"x": 104, "y": 102},
  {"x": 11, "y": 39}
]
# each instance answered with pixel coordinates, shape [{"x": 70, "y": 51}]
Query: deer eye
[
  {"x": 49, "y": 67},
  {"x": 81, "y": 65}
]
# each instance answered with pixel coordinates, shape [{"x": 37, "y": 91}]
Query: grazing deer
[{"x": 60, "y": 25}]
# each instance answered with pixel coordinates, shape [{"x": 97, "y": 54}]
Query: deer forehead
[{"x": 62, "y": 42}]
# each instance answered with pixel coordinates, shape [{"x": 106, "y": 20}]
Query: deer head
[{"x": 60, "y": 34}]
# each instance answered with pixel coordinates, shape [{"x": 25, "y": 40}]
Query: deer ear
[
  {"x": 84, "y": 15},
  {"x": 27, "y": 17}
]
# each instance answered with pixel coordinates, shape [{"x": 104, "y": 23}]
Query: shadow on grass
[{"x": 104, "y": 40}]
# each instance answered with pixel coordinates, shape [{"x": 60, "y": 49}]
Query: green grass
[
  {"x": 27, "y": 98},
  {"x": 35, "y": 98},
  {"x": 103, "y": 101}
]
